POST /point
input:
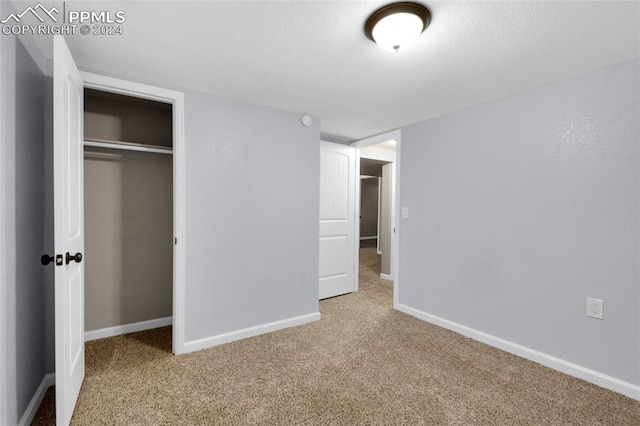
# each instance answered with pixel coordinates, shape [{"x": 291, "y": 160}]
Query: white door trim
[
  {"x": 395, "y": 203},
  {"x": 129, "y": 88},
  {"x": 356, "y": 225},
  {"x": 378, "y": 230},
  {"x": 382, "y": 137}
]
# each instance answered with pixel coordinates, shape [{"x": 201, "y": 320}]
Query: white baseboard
[
  {"x": 127, "y": 328},
  {"x": 375, "y": 237},
  {"x": 47, "y": 381},
  {"x": 220, "y": 339},
  {"x": 386, "y": 277},
  {"x": 575, "y": 370}
]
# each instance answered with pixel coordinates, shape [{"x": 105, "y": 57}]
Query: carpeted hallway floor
[{"x": 363, "y": 363}]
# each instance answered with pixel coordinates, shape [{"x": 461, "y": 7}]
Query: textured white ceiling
[{"x": 313, "y": 57}]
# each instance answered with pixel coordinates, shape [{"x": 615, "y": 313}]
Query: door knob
[
  {"x": 75, "y": 258},
  {"x": 46, "y": 259}
]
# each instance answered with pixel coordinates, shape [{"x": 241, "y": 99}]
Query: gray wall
[
  {"x": 370, "y": 167},
  {"x": 49, "y": 273},
  {"x": 252, "y": 202},
  {"x": 8, "y": 414},
  {"x": 128, "y": 212},
  {"x": 123, "y": 118},
  {"x": 128, "y": 237},
  {"x": 22, "y": 199},
  {"x": 524, "y": 207},
  {"x": 369, "y": 207}
]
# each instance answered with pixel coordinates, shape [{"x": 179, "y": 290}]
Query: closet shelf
[{"x": 128, "y": 146}]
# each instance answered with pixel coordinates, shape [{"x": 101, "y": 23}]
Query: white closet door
[
  {"x": 69, "y": 229},
  {"x": 337, "y": 219}
]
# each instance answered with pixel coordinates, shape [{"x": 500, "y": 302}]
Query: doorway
[
  {"x": 378, "y": 156},
  {"x": 128, "y": 214},
  {"x": 370, "y": 177},
  {"x": 375, "y": 204},
  {"x": 144, "y": 94}
]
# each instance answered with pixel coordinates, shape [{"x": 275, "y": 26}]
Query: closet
[{"x": 128, "y": 204}]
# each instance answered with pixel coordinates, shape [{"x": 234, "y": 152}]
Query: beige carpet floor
[{"x": 363, "y": 363}]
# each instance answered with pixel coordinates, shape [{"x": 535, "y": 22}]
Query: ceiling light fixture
[{"x": 398, "y": 25}]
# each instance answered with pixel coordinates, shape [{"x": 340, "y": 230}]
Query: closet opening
[
  {"x": 376, "y": 205},
  {"x": 128, "y": 215}
]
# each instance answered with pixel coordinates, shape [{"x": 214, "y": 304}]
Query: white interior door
[
  {"x": 69, "y": 229},
  {"x": 337, "y": 219}
]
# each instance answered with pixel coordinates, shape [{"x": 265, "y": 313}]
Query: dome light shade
[
  {"x": 396, "y": 26},
  {"x": 396, "y": 31}
]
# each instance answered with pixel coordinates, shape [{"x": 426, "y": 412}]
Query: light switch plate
[{"x": 405, "y": 212}]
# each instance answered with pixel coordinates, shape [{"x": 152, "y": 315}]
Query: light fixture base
[{"x": 411, "y": 8}]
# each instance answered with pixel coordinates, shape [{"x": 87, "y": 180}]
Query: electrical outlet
[{"x": 595, "y": 308}]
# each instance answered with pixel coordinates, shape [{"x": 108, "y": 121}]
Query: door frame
[
  {"x": 395, "y": 206},
  {"x": 176, "y": 99}
]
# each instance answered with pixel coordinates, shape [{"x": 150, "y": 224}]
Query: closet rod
[{"x": 128, "y": 146}]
